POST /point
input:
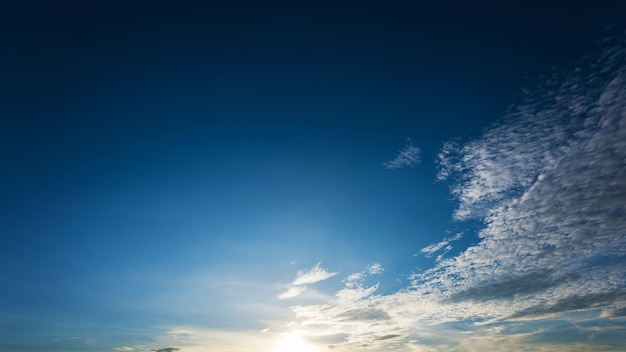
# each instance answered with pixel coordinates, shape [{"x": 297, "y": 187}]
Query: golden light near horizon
[{"x": 292, "y": 342}]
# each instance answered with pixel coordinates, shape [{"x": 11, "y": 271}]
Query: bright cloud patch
[
  {"x": 375, "y": 268},
  {"x": 409, "y": 156},
  {"x": 549, "y": 184},
  {"x": 313, "y": 275},
  {"x": 304, "y": 277},
  {"x": 443, "y": 246},
  {"x": 292, "y": 292}
]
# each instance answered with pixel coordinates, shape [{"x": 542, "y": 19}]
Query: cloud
[
  {"x": 304, "y": 277},
  {"x": 507, "y": 288},
  {"x": 548, "y": 183},
  {"x": 313, "y": 275},
  {"x": 615, "y": 313},
  {"x": 167, "y": 349},
  {"x": 408, "y": 156},
  {"x": 123, "y": 348},
  {"x": 573, "y": 303},
  {"x": 387, "y": 337},
  {"x": 375, "y": 268},
  {"x": 444, "y": 244},
  {"x": 356, "y": 280},
  {"x": 364, "y": 314},
  {"x": 292, "y": 292}
]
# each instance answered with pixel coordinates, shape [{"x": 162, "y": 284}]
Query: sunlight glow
[{"x": 292, "y": 342}]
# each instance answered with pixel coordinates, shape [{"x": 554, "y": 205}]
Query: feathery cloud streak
[
  {"x": 305, "y": 277},
  {"x": 408, "y": 156}
]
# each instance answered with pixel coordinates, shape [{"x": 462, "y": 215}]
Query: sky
[{"x": 312, "y": 176}]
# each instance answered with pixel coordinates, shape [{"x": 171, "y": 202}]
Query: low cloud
[
  {"x": 200, "y": 339},
  {"x": 364, "y": 314},
  {"x": 573, "y": 303},
  {"x": 511, "y": 287},
  {"x": 387, "y": 337}
]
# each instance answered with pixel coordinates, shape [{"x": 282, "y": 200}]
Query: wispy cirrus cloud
[
  {"x": 549, "y": 183},
  {"x": 313, "y": 275},
  {"x": 305, "y": 277},
  {"x": 292, "y": 292},
  {"x": 408, "y": 156},
  {"x": 444, "y": 246}
]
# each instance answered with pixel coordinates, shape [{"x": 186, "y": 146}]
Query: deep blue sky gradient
[{"x": 145, "y": 140}]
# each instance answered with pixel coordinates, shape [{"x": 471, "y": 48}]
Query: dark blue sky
[{"x": 149, "y": 146}]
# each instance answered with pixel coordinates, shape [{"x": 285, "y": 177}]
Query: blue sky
[{"x": 312, "y": 177}]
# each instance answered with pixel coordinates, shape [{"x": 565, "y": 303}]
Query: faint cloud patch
[
  {"x": 615, "y": 313},
  {"x": 408, "y": 156},
  {"x": 292, "y": 292}
]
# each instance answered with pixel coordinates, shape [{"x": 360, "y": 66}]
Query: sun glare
[{"x": 292, "y": 342}]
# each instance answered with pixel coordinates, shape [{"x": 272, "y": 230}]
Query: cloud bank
[{"x": 549, "y": 184}]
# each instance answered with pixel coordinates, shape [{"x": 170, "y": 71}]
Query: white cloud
[
  {"x": 444, "y": 244},
  {"x": 304, "y": 277},
  {"x": 292, "y": 292},
  {"x": 375, "y": 268},
  {"x": 313, "y": 275},
  {"x": 123, "y": 348},
  {"x": 549, "y": 184},
  {"x": 408, "y": 156}
]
